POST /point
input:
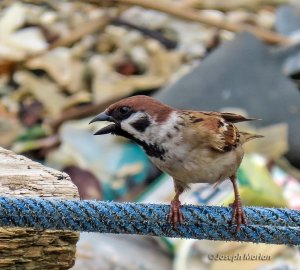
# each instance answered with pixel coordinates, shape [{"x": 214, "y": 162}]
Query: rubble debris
[{"x": 62, "y": 62}]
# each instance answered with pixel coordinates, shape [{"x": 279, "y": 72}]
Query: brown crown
[{"x": 153, "y": 107}]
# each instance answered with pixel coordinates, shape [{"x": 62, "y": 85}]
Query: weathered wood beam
[{"x": 27, "y": 248}]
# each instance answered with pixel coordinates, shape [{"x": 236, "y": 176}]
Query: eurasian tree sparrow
[{"x": 191, "y": 146}]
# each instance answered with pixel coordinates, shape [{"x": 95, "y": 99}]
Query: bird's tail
[{"x": 246, "y": 137}]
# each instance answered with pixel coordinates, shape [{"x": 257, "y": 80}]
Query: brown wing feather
[
  {"x": 225, "y": 137},
  {"x": 214, "y": 130}
]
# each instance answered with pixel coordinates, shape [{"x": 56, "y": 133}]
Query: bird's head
[{"x": 134, "y": 117}]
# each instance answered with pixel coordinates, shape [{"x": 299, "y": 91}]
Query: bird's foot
[
  {"x": 238, "y": 215},
  {"x": 175, "y": 214}
]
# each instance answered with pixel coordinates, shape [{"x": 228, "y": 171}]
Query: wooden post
[{"x": 27, "y": 248}]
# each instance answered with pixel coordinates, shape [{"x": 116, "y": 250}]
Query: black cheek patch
[{"x": 141, "y": 124}]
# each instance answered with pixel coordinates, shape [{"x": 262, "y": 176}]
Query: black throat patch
[{"x": 152, "y": 150}]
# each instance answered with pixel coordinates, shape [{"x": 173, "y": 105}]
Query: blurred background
[{"x": 62, "y": 62}]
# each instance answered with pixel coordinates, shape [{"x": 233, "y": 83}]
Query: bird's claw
[
  {"x": 238, "y": 215},
  {"x": 175, "y": 214}
]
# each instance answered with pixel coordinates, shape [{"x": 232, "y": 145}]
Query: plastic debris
[{"x": 68, "y": 60}]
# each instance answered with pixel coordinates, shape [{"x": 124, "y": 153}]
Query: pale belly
[{"x": 200, "y": 166}]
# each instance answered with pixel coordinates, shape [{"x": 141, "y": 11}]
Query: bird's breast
[{"x": 199, "y": 165}]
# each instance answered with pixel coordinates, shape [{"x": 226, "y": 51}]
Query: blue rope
[{"x": 265, "y": 225}]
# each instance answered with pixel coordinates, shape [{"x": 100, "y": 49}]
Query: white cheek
[
  {"x": 172, "y": 131},
  {"x": 126, "y": 125},
  {"x": 166, "y": 134},
  {"x": 170, "y": 137},
  {"x": 159, "y": 132}
]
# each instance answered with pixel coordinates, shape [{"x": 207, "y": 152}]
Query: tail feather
[
  {"x": 235, "y": 118},
  {"x": 246, "y": 137}
]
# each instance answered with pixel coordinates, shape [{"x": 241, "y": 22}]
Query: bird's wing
[
  {"x": 224, "y": 135},
  {"x": 231, "y": 117},
  {"x": 212, "y": 129}
]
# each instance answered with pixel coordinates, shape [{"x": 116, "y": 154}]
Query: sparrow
[{"x": 191, "y": 146}]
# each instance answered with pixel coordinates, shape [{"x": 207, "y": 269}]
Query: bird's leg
[
  {"x": 175, "y": 213},
  {"x": 238, "y": 215}
]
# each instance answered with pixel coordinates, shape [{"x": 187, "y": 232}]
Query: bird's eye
[{"x": 124, "y": 110}]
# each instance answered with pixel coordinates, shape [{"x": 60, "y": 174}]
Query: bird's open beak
[{"x": 104, "y": 117}]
